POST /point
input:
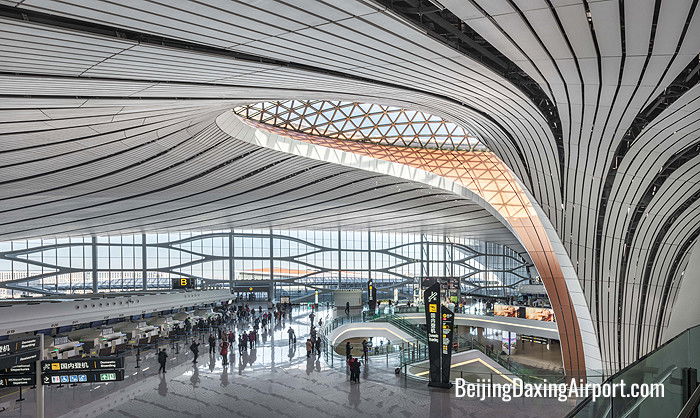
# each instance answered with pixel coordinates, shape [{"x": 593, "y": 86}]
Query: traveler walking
[
  {"x": 348, "y": 350},
  {"x": 212, "y": 344},
  {"x": 224, "y": 352},
  {"x": 194, "y": 347},
  {"x": 365, "y": 349},
  {"x": 309, "y": 347},
  {"x": 292, "y": 336},
  {"x": 162, "y": 358},
  {"x": 355, "y": 370},
  {"x": 318, "y": 345}
]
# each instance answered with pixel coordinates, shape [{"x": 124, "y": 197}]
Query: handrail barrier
[{"x": 673, "y": 365}]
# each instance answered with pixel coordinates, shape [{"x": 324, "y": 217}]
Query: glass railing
[
  {"x": 420, "y": 371},
  {"x": 410, "y": 354},
  {"x": 409, "y": 328},
  {"x": 666, "y": 365}
]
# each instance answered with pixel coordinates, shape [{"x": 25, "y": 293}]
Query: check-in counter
[
  {"x": 148, "y": 333},
  {"x": 184, "y": 316},
  {"x": 138, "y": 333},
  {"x": 207, "y": 313},
  {"x": 101, "y": 341},
  {"x": 62, "y": 348},
  {"x": 166, "y": 325}
]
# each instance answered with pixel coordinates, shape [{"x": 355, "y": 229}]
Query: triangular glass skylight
[{"x": 363, "y": 122}]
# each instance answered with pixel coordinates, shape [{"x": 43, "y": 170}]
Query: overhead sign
[
  {"x": 17, "y": 362},
  {"x": 245, "y": 288},
  {"x": 12, "y": 347},
  {"x": 24, "y": 357},
  {"x": 183, "y": 283},
  {"x": 12, "y": 380},
  {"x": 96, "y": 363},
  {"x": 533, "y": 339},
  {"x": 20, "y": 368},
  {"x": 88, "y": 376}
]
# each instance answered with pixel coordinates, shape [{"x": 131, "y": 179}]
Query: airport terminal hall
[{"x": 349, "y": 208}]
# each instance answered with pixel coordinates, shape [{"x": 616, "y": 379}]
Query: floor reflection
[{"x": 264, "y": 386}]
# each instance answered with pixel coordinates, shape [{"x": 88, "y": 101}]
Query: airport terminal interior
[{"x": 343, "y": 208}]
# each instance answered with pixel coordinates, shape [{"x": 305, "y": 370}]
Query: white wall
[
  {"x": 342, "y": 296},
  {"x": 686, "y": 309}
]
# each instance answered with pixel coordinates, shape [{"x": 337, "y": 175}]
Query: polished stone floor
[{"x": 272, "y": 380}]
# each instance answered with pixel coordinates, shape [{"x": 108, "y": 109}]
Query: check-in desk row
[{"x": 108, "y": 340}]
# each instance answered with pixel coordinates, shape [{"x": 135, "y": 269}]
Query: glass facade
[{"x": 297, "y": 262}]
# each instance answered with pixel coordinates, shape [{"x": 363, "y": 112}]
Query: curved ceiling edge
[{"x": 513, "y": 208}]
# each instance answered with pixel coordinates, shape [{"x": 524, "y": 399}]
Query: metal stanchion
[
  {"x": 138, "y": 357},
  {"x": 20, "y": 399}
]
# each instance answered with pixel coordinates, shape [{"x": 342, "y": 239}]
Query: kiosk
[
  {"x": 101, "y": 341},
  {"x": 62, "y": 348}
]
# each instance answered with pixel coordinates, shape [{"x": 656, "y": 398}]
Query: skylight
[{"x": 365, "y": 122}]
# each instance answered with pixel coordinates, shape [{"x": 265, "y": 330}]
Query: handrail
[
  {"x": 691, "y": 406},
  {"x": 586, "y": 403}
]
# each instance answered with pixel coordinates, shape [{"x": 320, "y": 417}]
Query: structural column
[
  {"x": 271, "y": 292},
  {"x": 94, "y": 264},
  {"x": 340, "y": 261},
  {"x": 231, "y": 263},
  {"x": 144, "y": 266},
  {"x": 369, "y": 254}
]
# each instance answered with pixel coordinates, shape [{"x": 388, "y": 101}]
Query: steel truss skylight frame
[{"x": 364, "y": 122}]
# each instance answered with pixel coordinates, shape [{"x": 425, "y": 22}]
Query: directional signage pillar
[
  {"x": 431, "y": 298},
  {"x": 440, "y": 324},
  {"x": 371, "y": 296},
  {"x": 447, "y": 324}
]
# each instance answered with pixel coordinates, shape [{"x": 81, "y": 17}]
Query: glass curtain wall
[{"x": 298, "y": 262}]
